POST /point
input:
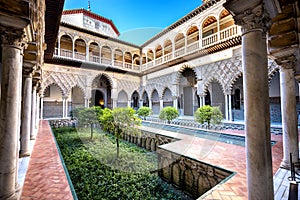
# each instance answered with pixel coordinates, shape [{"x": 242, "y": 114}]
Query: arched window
[{"x": 192, "y": 35}]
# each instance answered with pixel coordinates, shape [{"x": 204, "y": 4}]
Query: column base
[
  {"x": 13, "y": 196},
  {"x": 18, "y": 191},
  {"x": 23, "y": 154},
  {"x": 285, "y": 165},
  {"x": 32, "y": 137}
]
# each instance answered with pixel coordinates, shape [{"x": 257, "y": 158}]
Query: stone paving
[{"x": 46, "y": 178}]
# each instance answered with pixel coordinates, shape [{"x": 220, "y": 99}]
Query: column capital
[
  {"x": 288, "y": 62},
  {"x": 13, "y": 37},
  {"x": 251, "y": 17},
  {"x": 27, "y": 74}
]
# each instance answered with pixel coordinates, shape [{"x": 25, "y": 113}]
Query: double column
[
  {"x": 11, "y": 83},
  {"x": 253, "y": 19},
  {"x": 228, "y": 107},
  {"x": 65, "y": 106}
]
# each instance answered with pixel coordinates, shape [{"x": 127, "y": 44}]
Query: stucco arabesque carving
[
  {"x": 128, "y": 86},
  {"x": 65, "y": 81},
  {"x": 161, "y": 83},
  {"x": 225, "y": 72},
  {"x": 254, "y": 18}
]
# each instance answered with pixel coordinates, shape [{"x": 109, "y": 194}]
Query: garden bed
[{"x": 96, "y": 173}]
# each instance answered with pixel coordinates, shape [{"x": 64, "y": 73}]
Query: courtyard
[{"x": 46, "y": 169}]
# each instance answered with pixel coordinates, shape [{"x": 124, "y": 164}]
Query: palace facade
[{"x": 242, "y": 56}]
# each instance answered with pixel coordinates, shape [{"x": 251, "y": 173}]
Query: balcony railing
[
  {"x": 118, "y": 63},
  {"x": 208, "y": 41}
]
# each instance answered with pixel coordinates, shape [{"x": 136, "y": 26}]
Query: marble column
[
  {"x": 226, "y": 108},
  {"x": 161, "y": 104},
  {"x": 66, "y": 107},
  {"x": 230, "y": 107},
  {"x": 129, "y": 103},
  {"x": 175, "y": 102},
  {"x": 150, "y": 104},
  {"x": 33, "y": 113},
  {"x": 253, "y": 19},
  {"x": 115, "y": 103},
  {"x": 26, "y": 117},
  {"x": 289, "y": 116},
  {"x": 86, "y": 102},
  {"x": 141, "y": 103},
  {"x": 42, "y": 107},
  {"x": 12, "y": 58},
  {"x": 63, "y": 107},
  {"x": 37, "y": 117}
]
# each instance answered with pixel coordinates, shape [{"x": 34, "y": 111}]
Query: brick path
[{"x": 45, "y": 178}]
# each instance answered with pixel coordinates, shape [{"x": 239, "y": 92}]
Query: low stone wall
[
  {"x": 148, "y": 140},
  {"x": 190, "y": 175}
]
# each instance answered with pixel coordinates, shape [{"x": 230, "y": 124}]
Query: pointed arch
[
  {"x": 122, "y": 99},
  {"x": 179, "y": 73},
  {"x": 112, "y": 83},
  {"x": 44, "y": 89},
  {"x": 167, "y": 97}
]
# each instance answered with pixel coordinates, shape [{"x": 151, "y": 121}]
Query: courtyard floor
[{"x": 46, "y": 179}]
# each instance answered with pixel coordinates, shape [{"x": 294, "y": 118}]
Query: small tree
[
  {"x": 119, "y": 121},
  {"x": 208, "y": 114},
  {"x": 144, "y": 111},
  {"x": 125, "y": 121},
  {"x": 89, "y": 116},
  {"x": 168, "y": 113}
]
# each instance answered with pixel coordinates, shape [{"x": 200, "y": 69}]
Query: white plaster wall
[{"x": 75, "y": 19}]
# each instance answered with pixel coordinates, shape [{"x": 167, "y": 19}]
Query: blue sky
[{"x": 138, "y": 20}]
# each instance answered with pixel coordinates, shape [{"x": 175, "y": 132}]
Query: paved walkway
[{"x": 45, "y": 178}]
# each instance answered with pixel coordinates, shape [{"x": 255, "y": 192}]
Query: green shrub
[
  {"x": 144, "y": 111},
  {"x": 208, "y": 114},
  {"x": 168, "y": 113}
]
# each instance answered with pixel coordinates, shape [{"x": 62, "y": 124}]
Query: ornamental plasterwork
[
  {"x": 178, "y": 75},
  {"x": 65, "y": 81},
  {"x": 160, "y": 84},
  {"x": 254, "y": 18},
  {"x": 128, "y": 86},
  {"x": 92, "y": 81},
  {"x": 273, "y": 67},
  {"x": 225, "y": 72}
]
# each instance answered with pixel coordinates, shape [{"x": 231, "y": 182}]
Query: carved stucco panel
[
  {"x": 65, "y": 81},
  {"x": 128, "y": 86}
]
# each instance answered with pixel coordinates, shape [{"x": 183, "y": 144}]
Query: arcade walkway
[{"x": 46, "y": 178}]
